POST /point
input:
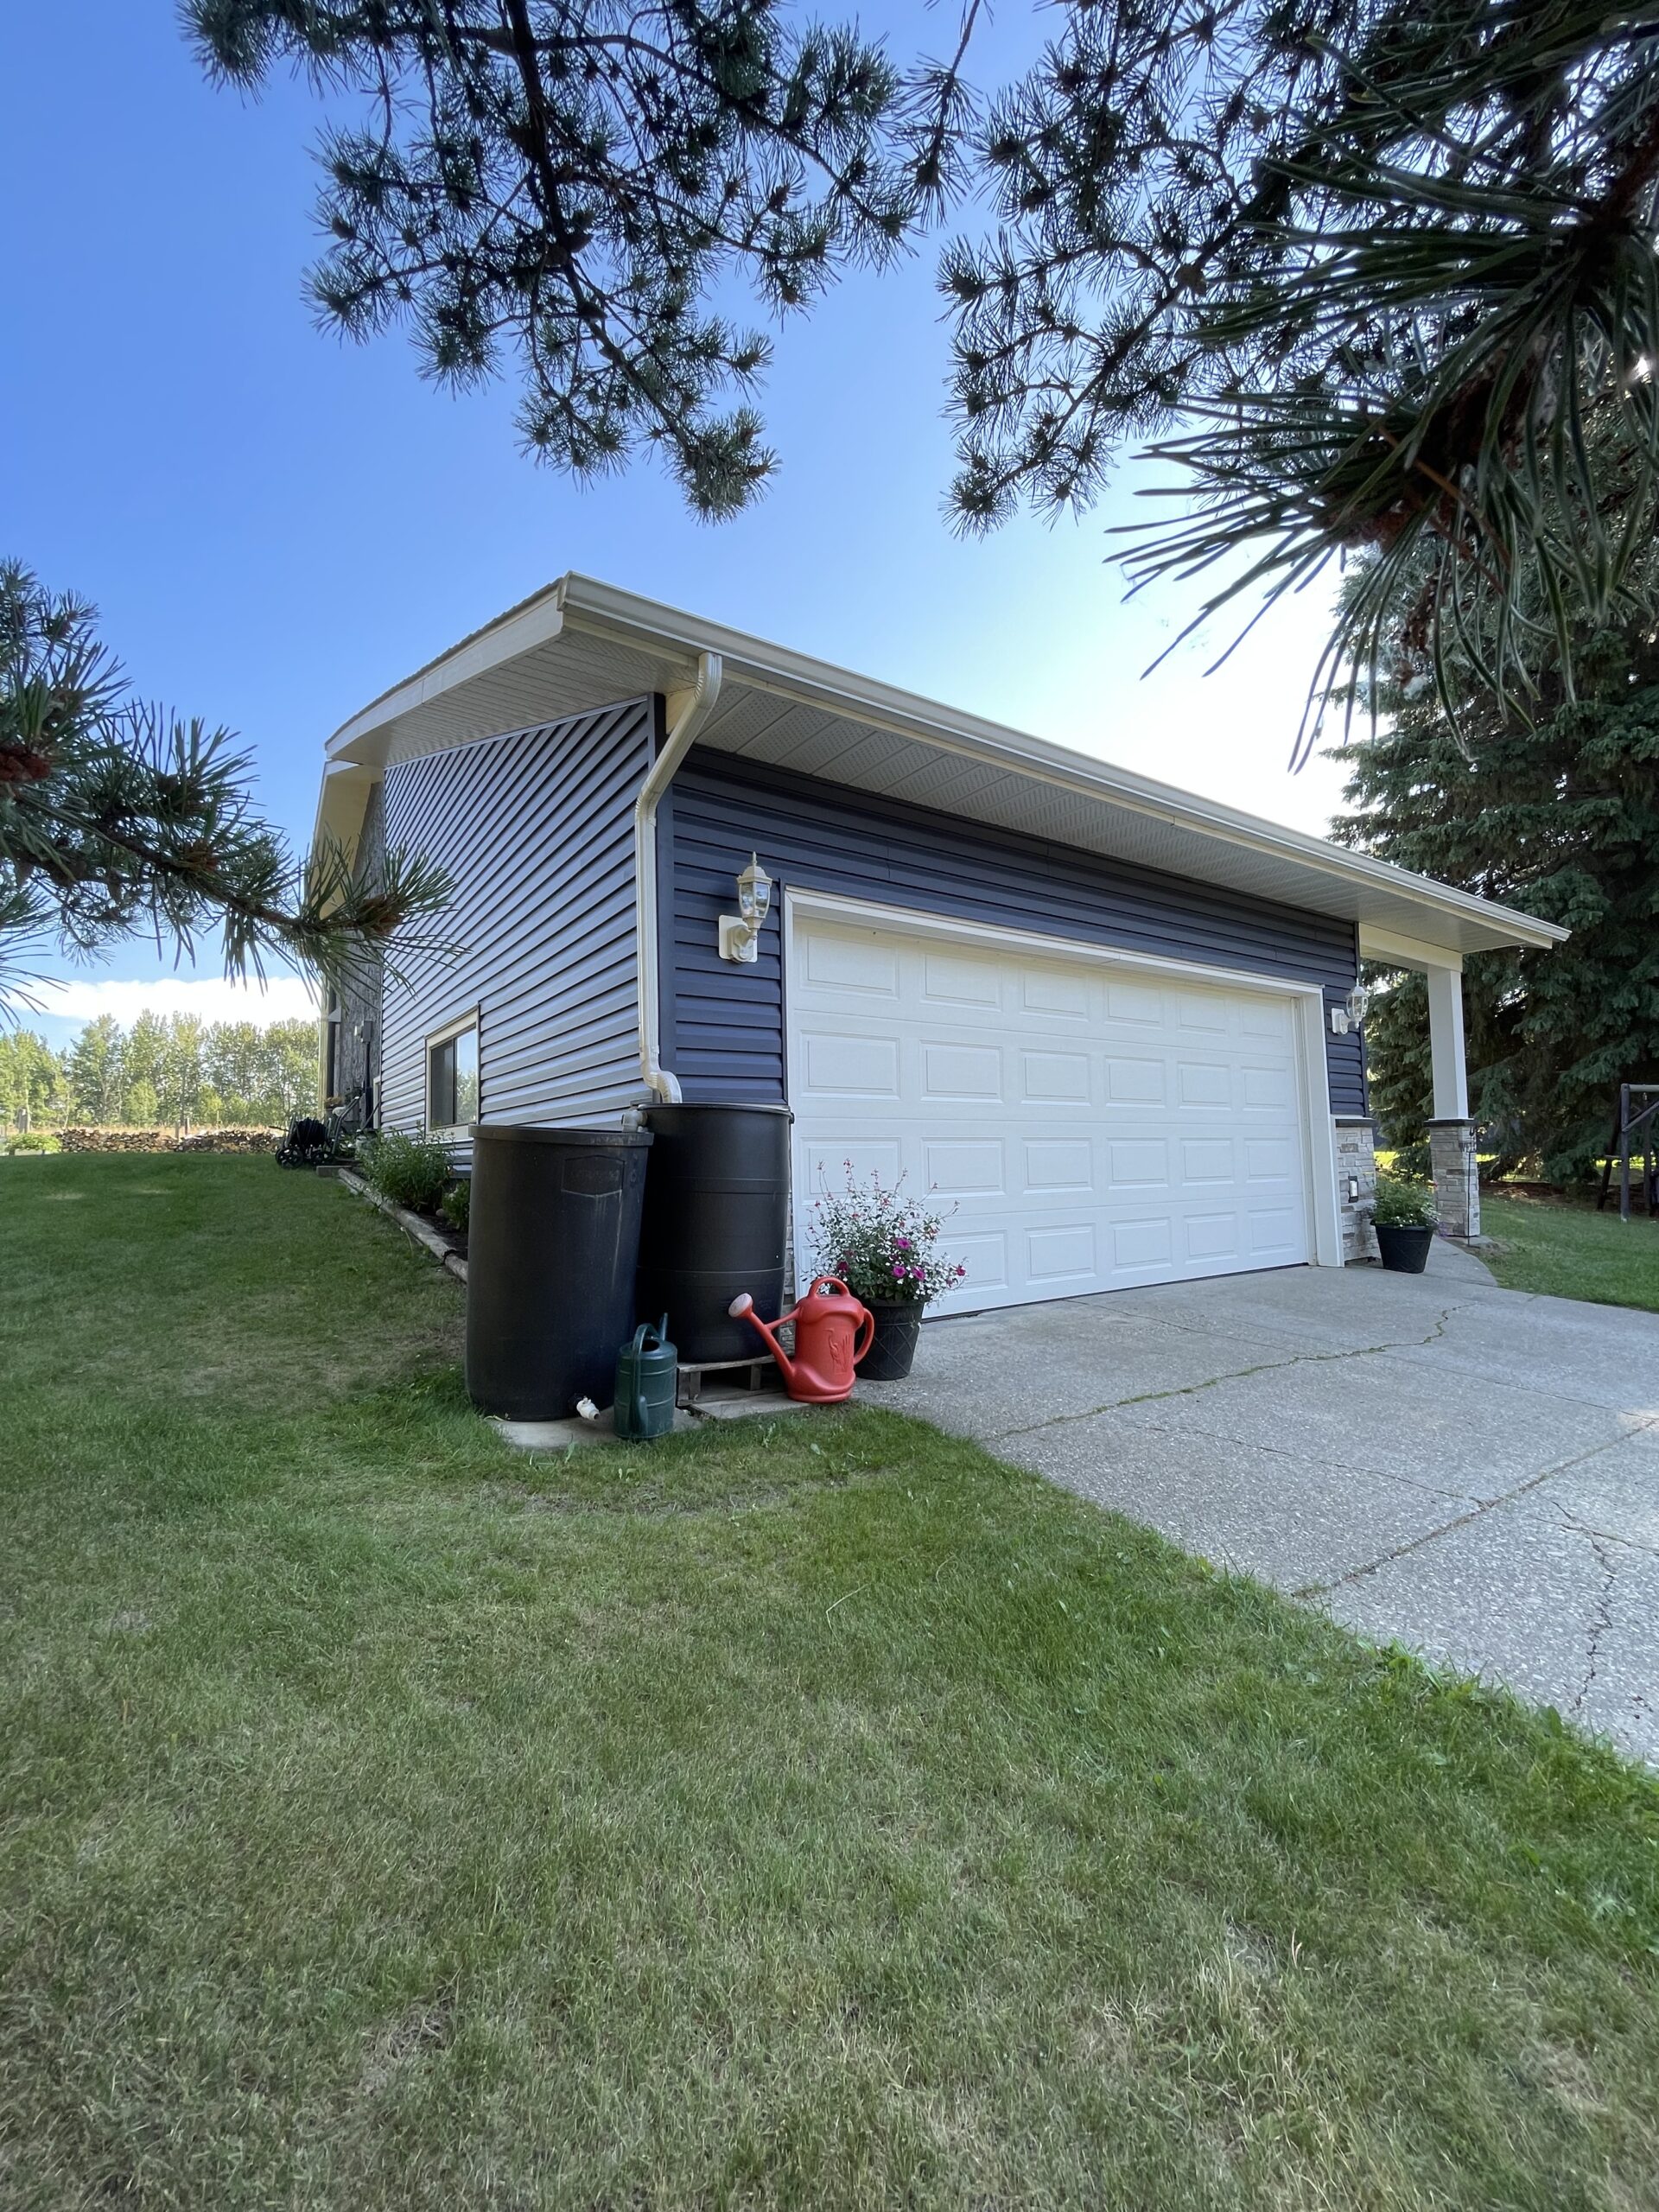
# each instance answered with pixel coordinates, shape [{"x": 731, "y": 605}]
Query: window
[{"x": 452, "y": 1076}]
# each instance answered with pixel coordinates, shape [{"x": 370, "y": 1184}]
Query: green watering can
[{"x": 647, "y": 1375}]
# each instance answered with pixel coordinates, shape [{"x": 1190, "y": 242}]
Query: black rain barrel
[
  {"x": 716, "y": 1214},
  {"x": 552, "y": 1244}
]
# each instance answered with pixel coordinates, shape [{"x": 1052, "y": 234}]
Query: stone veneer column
[
  {"x": 1457, "y": 1177},
  {"x": 1356, "y": 1162}
]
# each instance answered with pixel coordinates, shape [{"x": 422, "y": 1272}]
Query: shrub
[
  {"x": 32, "y": 1140},
  {"x": 457, "y": 1205},
  {"x": 1403, "y": 1202},
  {"x": 408, "y": 1170},
  {"x": 1412, "y": 1160},
  {"x": 884, "y": 1245}
]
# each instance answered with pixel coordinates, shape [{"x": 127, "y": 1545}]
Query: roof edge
[{"x": 589, "y": 604}]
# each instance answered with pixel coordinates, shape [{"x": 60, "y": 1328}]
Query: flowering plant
[{"x": 883, "y": 1244}]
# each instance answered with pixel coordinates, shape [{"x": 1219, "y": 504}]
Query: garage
[{"x": 1095, "y": 1122}]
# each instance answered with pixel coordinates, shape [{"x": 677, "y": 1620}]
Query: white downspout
[{"x": 704, "y": 692}]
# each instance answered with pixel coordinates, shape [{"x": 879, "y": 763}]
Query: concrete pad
[
  {"x": 1466, "y": 1469},
  {"x": 1074, "y": 1358},
  {"x": 744, "y": 1405},
  {"x": 1560, "y": 1615},
  {"x": 1378, "y": 1414},
  {"x": 1603, "y": 1354},
  {"x": 1611, "y": 1493},
  {"x": 1255, "y": 1512},
  {"x": 568, "y": 1435}
]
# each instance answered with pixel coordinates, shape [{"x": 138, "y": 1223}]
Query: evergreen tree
[
  {"x": 97, "y": 1075},
  {"x": 115, "y": 816},
  {"x": 1560, "y": 817}
]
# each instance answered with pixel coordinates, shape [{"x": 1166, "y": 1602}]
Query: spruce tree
[{"x": 1560, "y": 817}]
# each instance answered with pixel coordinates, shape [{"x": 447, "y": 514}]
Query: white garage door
[{"x": 1094, "y": 1127}]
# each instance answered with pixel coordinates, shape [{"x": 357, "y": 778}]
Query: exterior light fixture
[
  {"x": 1352, "y": 1012},
  {"x": 739, "y": 934}
]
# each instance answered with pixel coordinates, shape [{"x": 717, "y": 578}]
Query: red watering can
[{"x": 832, "y": 1334}]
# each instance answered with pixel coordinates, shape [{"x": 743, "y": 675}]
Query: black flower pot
[
  {"x": 1405, "y": 1250},
  {"x": 892, "y": 1348}
]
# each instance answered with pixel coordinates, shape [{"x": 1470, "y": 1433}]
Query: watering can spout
[{"x": 743, "y": 1306}]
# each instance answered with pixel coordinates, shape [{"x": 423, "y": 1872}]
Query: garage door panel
[
  {"x": 949, "y": 979},
  {"x": 1083, "y": 1130},
  {"x": 1055, "y": 1165},
  {"x": 850, "y": 1067},
  {"x": 1212, "y": 1235},
  {"x": 1269, "y": 1087},
  {"x": 1204, "y": 1083},
  {"x": 1061, "y": 1253},
  {"x": 1203, "y": 1010},
  {"x": 853, "y": 961},
  {"x": 964, "y": 1167},
  {"x": 1137, "y": 1163},
  {"x": 1270, "y": 1159},
  {"x": 1274, "y": 1232},
  {"x": 1138, "y": 1002},
  {"x": 1135, "y": 1081},
  {"x": 1208, "y": 1159},
  {"x": 1055, "y": 1078},
  {"x": 952, "y": 1071},
  {"x": 1053, "y": 992}
]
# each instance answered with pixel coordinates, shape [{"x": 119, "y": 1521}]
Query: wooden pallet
[{"x": 733, "y": 1374}]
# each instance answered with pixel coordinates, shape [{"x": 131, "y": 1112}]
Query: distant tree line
[{"x": 165, "y": 1070}]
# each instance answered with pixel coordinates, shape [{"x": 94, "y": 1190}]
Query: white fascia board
[
  {"x": 764, "y": 666},
  {"x": 534, "y": 621},
  {"x": 1389, "y": 949},
  {"x": 677, "y": 639}
]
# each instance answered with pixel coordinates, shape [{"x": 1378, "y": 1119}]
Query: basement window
[{"x": 452, "y": 1076}]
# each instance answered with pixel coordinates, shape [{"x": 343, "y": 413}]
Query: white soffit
[{"x": 581, "y": 645}]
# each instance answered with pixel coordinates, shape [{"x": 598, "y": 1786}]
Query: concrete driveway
[{"x": 1471, "y": 1471}]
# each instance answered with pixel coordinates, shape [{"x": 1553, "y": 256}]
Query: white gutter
[{"x": 676, "y": 744}]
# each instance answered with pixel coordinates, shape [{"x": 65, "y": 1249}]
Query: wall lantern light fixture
[
  {"x": 1352, "y": 1012},
  {"x": 739, "y": 934}
]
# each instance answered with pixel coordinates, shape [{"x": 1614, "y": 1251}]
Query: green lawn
[
  {"x": 1569, "y": 1250},
  {"x": 814, "y": 1812}
]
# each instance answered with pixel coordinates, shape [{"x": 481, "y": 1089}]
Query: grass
[
  {"x": 1569, "y": 1250},
  {"x": 814, "y": 1812}
]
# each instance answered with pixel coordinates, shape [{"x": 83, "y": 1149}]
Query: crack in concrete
[
  {"x": 1213, "y": 1382},
  {"x": 1465, "y": 1520},
  {"x": 1601, "y": 1621}
]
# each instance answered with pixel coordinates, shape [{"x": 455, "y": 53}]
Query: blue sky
[{"x": 275, "y": 525}]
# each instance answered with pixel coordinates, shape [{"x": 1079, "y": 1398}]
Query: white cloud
[{"x": 281, "y": 998}]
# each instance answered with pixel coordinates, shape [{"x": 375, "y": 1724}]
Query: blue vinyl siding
[
  {"x": 729, "y": 1021},
  {"x": 536, "y": 828}
]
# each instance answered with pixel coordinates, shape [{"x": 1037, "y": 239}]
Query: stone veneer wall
[
  {"x": 1357, "y": 1157},
  {"x": 1457, "y": 1179}
]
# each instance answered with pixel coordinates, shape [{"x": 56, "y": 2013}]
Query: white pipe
[{"x": 704, "y": 692}]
